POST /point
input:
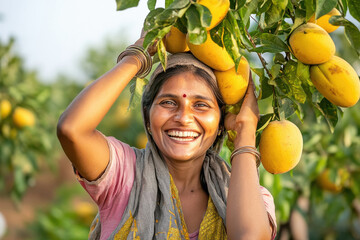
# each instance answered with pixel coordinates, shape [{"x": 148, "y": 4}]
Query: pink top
[{"x": 115, "y": 184}]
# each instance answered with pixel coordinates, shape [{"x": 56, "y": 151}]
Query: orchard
[
  {"x": 303, "y": 56},
  {"x": 303, "y": 84}
]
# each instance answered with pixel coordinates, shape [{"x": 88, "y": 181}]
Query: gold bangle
[
  {"x": 142, "y": 55},
  {"x": 247, "y": 149}
]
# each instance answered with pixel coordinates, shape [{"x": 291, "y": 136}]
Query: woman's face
[{"x": 184, "y": 117}]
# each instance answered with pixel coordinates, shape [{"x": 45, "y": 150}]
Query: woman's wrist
[
  {"x": 245, "y": 137},
  {"x": 142, "y": 56}
]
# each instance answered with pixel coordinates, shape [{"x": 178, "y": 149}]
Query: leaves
[
  {"x": 352, "y": 33},
  {"x": 354, "y": 8},
  {"x": 323, "y": 7},
  {"x": 270, "y": 43},
  {"x": 124, "y": 4}
]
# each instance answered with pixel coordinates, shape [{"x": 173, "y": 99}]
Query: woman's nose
[{"x": 184, "y": 115}]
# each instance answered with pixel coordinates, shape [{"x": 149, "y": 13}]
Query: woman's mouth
[{"x": 182, "y": 135}]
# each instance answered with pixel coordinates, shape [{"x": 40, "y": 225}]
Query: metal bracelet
[
  {"x": 247, "y": 149},
  {"x": 142, "y": 55}
]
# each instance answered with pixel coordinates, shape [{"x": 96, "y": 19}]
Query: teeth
[{"x": 183, "y": 134}]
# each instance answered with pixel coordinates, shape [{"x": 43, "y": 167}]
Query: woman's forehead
[{"x": 186, "y": 83}]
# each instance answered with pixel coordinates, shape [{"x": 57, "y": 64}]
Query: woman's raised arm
[
  {"x": 87, "y": 148},
  {"x": 246, "y": 216}
]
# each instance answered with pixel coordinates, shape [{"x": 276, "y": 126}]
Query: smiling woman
[{"x": 178, "y": 187}]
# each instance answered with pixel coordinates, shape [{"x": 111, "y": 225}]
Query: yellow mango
[
  {"x": 233, "y": 84},
  {"x": 311, "y": 44},
  {"x": 211, "y": 54},
  {"x": 323, "y": 21},
  {"x": 5, "y": 108},
  {"x": 280, "y": 146},
  {"x": 23, "y": 117},
  {"x": 218, "y": 9},
  {"x": 175, "y": 41},
  {"x": 337, "y": 81}
]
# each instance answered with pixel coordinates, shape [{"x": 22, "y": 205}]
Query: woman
[{"x": 178, "y": 187}]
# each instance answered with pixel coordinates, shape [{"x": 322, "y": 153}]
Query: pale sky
[{"x": 53, "y": 35}]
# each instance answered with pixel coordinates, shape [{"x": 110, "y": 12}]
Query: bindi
[{"x": 184, "y": 95}]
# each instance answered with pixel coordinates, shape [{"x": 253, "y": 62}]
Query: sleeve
[
  {"x": 270, "y": 208},
  {"x": 117, "y": 178}
]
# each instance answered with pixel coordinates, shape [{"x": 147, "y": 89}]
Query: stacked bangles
[
  {"x": 247, "y": 149},
  {"x": 142, "y": 55}
]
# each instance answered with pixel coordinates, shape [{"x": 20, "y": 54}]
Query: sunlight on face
[{"x": 184, "y": 117}]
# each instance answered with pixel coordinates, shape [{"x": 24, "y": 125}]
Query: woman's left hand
[{"x": 245, "y": 122}]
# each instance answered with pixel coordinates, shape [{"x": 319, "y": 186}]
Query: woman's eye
[
  {"x": 201, "y": 105},
  {"x": 168, "y": 103}
]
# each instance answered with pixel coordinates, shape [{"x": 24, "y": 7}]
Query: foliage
[
  {"x": 65, "y": 218},
  {"x": 260, "y": 30},
  {"x": 283, "y": 78}
]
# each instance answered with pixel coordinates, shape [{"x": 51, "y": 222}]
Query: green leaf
[
  {"x": 136, "y": 90},
  {"x": 248, "y": 9},
  {"x": 151, "y": 4},
  {"x": 323, "y": 7},
  {"x": 293, "y": 82},
  {"x": 217, "y": 34},
  {"x": 272, "y": 17},
  {"x": 149, "y": 22},
  {"x": 329, "y": 111},
  {"x": 161, "y": 50},
  {"x": 243, "y": 37},
  {"x": 265, "y": 6},
  {"x": 343, "y": 7},
  {"x": 271, "y": 43},
  {"x": 310, "y": 8},
  {"x": 178, "y": 4},
  {"x": 264, "y": 121},
  {"x": 197, "y": 33},
  {"x": 168, "y": 2},
  {"x": 230, "y": 43},
  {"x": 205, "y": 15},
  {"x": 124, "y": 4},
  {"x": 352, "y": 33},
  {"x": 354, "y": 8},
  {"x": 266, "y": 90}
]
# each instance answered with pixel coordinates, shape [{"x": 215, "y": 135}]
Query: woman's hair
[{"x": 153, "y": 89}]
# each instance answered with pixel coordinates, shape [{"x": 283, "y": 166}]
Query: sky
[{"x": 53, "y": 35}]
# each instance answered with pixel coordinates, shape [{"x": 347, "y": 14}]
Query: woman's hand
[
  {"x": 245, "y": 122},
  {"x": 152, "y": 49}
]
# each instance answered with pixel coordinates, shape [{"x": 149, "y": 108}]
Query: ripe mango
[
  {"x": 175, "y": 41},
  {"x": 311, "y": 44},
  {"x": 218, "y": 9},
  {"x": 337, "y": 81},
  {"x": 233, "y": 84},
  {"x": 280, "y": 146},
  {"x": 323, "y": 21},
  {"x": 211, "y": 54},
  {"x": 23, "y": 117}
]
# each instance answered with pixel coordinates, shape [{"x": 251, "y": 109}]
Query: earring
[
  {"x": 149, "y": 130},
  {"x": 219, "y": 132}
]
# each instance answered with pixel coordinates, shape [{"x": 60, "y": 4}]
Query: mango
[
  {"x": 175, "y": 41},
  {"x": 211, "y": 54},
  {"x": 280, "y": 146},
  {"x": 233, "y": 84},
  {"x": 311, "y": 44},
  {"x": 218, "y": 9},
  {"x": 323, "y": 21},
  {"x": 337, "y": 81}
]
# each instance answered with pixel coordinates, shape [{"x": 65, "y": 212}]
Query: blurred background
[{"x": 50, "y": 50}]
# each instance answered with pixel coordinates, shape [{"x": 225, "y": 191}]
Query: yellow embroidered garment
[{"x": 212, "y": 226}]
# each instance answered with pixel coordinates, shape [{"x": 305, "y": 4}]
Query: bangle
[
  {"x": 247, "y": 149},
  {"x": 142, "y": 55}
]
